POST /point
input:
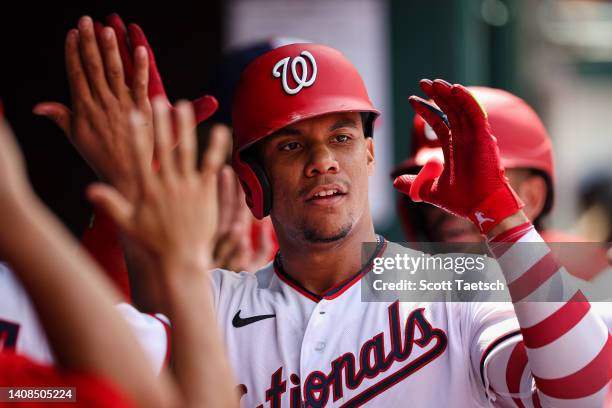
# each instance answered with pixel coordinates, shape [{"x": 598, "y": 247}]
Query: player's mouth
[{"x": 325, "y": 195}]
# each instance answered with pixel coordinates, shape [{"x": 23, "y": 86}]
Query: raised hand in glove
[
  {"x": 131, "y": 37},
  {"x": 471, "y": 183}
]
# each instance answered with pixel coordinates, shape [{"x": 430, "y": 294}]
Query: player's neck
[{"x": 319, "y": 267}]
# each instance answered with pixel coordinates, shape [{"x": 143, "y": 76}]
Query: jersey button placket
[{"x": 313, "y": 344}]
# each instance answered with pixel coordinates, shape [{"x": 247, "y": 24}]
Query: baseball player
[{"x": 297, "y": 331}]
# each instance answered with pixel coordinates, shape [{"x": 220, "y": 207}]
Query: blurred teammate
[
  {"x": 525, "y": 151},
  {"x": 94, "y": 349},
  {"x": 527, "y": 155}
]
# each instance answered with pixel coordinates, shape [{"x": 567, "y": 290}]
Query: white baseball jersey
[
  {"x": 20, "y": 329},
  {"x": 288, "y": 345}
]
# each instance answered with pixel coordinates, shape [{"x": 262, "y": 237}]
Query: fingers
[
  {"x": 475, "y": 114},
  {"x": 186, "y": 149},
  {"x": 214, "y": 156},
  {"x": 263, "y": 253},
  {"x": 112, "y": 63},
  {"x": 441, "y": 94},
  {"x": 140, "y": 153},
  {"x": 426, "y": 86},
  {"x": 433, "y": 116},
  {"x": 138, "y": 38},
  {"x": 98, "y": 28},
  {"x": 437, "y": 120},
  {"x": 163, "y": 137},
  {"x": 79, "y": 88},
  {"x": 57, "y": 112},
  {"x": 141, "y": 79},
  {"x": 403, "y": 183},
  {"x": 92, "y": 60},
  {"x": 227, "y": 198},
  {"x": 232, "y": 251},
  {"x": 204, "y": 107},
  {"x": 125, "y": 50},
  {"x": 112, "y": 203},
  {"x": 419, "y": 187}
]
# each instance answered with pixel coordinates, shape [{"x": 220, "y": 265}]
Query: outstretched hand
[
  {"x": 98, "y": 125},
  {"x": 130, "y": 38},
  {"x": 173, "y": 215},
  {"x": 471, "y": 182}
]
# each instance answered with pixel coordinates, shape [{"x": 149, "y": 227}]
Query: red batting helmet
[{"x": 284, "y": 86}]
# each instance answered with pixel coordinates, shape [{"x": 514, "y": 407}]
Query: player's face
[
  {"x": 318, "y": 170},
  {"x": 445, "y": 227}
]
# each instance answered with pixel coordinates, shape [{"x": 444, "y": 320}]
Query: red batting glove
[
  {"x": 471, "y": 183},
  {"x": 132, "y": 37}
]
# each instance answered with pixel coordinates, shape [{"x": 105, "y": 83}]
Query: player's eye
[
  {"x": 342, "y": 138},
  {"x": 287, "y": 147}
]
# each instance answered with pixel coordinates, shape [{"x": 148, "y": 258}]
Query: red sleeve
[{"x": 91, "y": 391}]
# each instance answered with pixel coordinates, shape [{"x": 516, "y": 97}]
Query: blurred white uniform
[{"x": 20, "y": 329}]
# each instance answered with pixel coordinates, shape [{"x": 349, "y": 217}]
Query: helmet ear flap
[
  {"x": 255, "y": 183},
  {"x": 265, "y": 197}
]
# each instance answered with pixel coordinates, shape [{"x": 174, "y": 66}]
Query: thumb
[
  {"x": 57, "y": 112},
  {"x": 111, "y": 202},
  {"x": 204, "y": 107},
  {"x": 418, "y": 187},
  {"x": 404, "y": 183}
]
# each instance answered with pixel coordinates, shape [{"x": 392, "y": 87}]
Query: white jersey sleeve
[
  {"x": 152, "y": 332},
  {"x": 20, "y": 329}
]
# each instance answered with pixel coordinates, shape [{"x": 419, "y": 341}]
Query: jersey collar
[{"x": 338, "y": 289}]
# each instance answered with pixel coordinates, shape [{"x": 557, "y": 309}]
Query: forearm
[
  {"x": 75, "y": 304},
  {"x": 566, "y": 346},
  {"x": 199, "y": 358},
  {"x": 146, "y": 290}
]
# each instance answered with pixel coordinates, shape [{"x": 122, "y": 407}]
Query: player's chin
[{"x": 321, "y": 232}]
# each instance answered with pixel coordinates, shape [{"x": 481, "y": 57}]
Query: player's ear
[{"x": 370, "y": 154}]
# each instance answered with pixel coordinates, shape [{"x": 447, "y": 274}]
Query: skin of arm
[{"x": 74, "y": 302}]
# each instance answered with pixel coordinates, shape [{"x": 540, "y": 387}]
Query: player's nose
[{"x": 321, "y": 160}]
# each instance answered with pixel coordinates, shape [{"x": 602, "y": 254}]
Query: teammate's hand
[
  {"x": 131, "y": 37},
  {"x": 471, "y": 182},
  {"x": 174, "y": 215},
  {"x": 234, "y": 249},
  {"x": 99, "y": 126}
]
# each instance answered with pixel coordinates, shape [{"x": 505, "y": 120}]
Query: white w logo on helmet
[{"x": 300, "y": 80}]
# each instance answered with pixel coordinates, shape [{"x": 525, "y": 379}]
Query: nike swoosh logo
[{"x": 238, "y": 321}]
